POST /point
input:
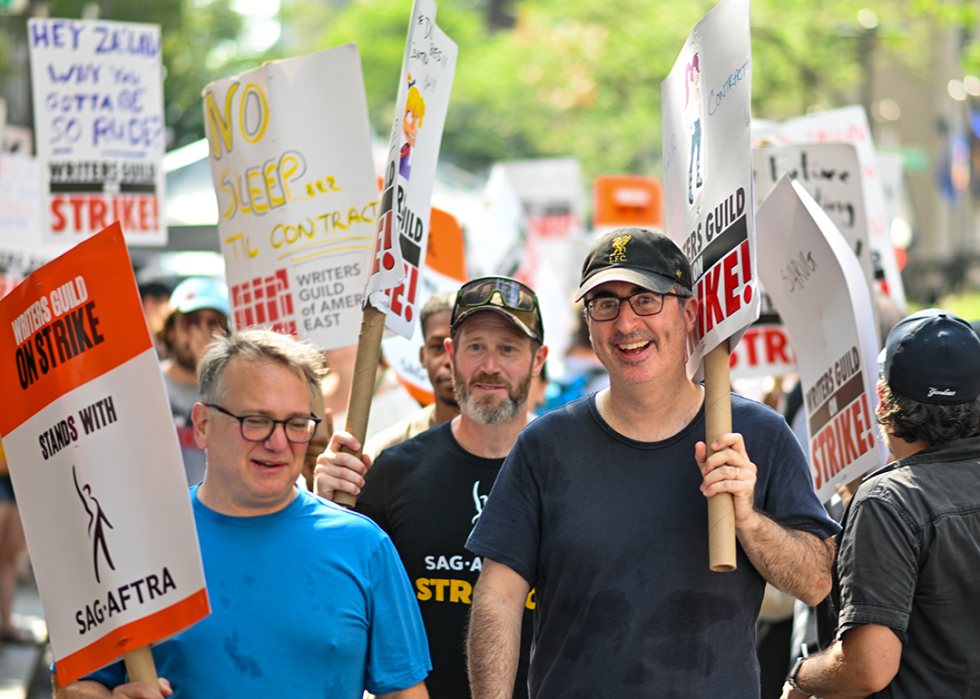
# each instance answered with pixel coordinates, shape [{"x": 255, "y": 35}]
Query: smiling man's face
[{"x": 492, "y": 368}]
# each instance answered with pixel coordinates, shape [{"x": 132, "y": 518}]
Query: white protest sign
[
  {"x": 21, "y": 249},
  {"x": 98, "y": 113},
  {"x": 764, "y": 350},
  {"x": 413, "y": 152},
  {"x": 708, "y": 172},
  {"x": 445, "y": 271},
  {"x": 297, "y": 193},
  {"x": 816, "y": 282},
  {"x": 831, "y": 174},
  {"x": 849, "y": 125},
  {"x": 94, "y": 460}
]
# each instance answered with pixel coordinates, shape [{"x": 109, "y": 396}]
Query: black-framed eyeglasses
[
  {"x": 644, "y": 303},
  {"x": 502, "y": 292},
  {"x": 258, "y": 428}
]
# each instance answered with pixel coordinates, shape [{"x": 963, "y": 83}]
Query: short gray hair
[{"x": 257, "y": 344}]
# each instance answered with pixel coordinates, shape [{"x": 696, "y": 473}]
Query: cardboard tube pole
[
  {"x": 362, "y": 388},
  {"x": 140, "y": 666},
  {"x": 718, "y": 421}
]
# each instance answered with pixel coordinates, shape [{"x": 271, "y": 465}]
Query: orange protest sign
[{"x": 88, "y": 435}]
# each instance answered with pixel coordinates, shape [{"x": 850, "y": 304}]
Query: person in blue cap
[
  {"x": 909, "y": 556},
  {"x": 199, "y": 310}
]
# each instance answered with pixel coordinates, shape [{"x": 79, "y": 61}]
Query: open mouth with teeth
[{"x": 630, "y": 348}]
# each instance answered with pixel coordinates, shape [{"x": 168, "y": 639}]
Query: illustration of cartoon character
[
  {"x": 97, "y": 519},
  {"x": 414, "y": 113},
  {"x": 692, "y": 115}
]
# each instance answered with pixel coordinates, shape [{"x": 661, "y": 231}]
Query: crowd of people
[{"x": 494, "y": 555}]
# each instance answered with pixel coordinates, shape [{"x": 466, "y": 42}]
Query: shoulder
[
  {"x": 756, "y": 420},
  {"x": 565, "y": 418},
  {"x": 320, "y": 517}
]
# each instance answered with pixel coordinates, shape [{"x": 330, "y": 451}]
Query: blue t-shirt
[
  {"x": 310, "y": 601},
  {"x": 613, "y": 534}
]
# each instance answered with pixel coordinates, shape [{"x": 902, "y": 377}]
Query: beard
[{"x": 485, "y": 411}]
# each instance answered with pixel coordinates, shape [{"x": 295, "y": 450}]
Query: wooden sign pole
[
  {"x": 140, "y": 666},
  {"x": 718, "y": 421},
  {"x": 362, "y": 387}
]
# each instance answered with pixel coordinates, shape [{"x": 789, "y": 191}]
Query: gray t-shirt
[{"x": 182, "y": 399}]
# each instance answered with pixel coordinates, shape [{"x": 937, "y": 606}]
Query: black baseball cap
[
  {"x": 933, "y": 356},
  {"x": 510, "y": 298},
  {"x": 636, "y": 255}
]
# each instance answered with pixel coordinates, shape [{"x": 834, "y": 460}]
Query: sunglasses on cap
[{"x": 506, "y": 296}]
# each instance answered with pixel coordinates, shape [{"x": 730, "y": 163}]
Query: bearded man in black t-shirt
[{"x": 428, "y": 492}]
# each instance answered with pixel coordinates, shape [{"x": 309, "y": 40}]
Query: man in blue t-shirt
[
  {"x": 307, "y": 599},
  {"x": 601, "y": 506}
]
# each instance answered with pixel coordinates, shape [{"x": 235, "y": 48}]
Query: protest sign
[
  {"x": 849, "y": 125},
  {"x": 445, "y": 270},
  {"x": 297, "y": 193},
  {"x": 413, "y": 152},
  {"x": 816, "y": 282},
  {"x": 831, "y": 174},
  {"x": 706, "y": 105},
  {"x": 627, "y": 200},
  {"x": 94, "y": 460},
  {"x": 708, "y": 172},
  {"x": 764, "y": 350},
  {"x": 21, "y": 249},
  {"x": 98, "y": 112}
]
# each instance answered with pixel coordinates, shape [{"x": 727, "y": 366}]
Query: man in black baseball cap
[
  {"x": 909, "y": 613},
  {"x": 428, "y": 491},
  {"x": 601, "y": 509}
]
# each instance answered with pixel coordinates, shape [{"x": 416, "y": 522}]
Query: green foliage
[{"x": 576, "y": 77}]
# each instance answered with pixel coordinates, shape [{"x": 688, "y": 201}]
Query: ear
[
  {"x": 539, "y": 360},
  {"x": 450, "y": 349},
  {"x": 691, "y": 313},
  {"x": 201, "y": 416},
  {"x": 422, "y": 354}
]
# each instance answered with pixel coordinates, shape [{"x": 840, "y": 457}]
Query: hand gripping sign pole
[
  {"x": 718, "y": 421},
  {"x": 707, "y": 197},
  {"x": 398, "y": 260}
]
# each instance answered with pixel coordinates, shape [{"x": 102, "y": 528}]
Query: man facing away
[
  {"x": 601, "y": 508},
  {"x": 909, "y": 562},
  {"x": 434, "y": 320},
  {"x": 429, "y": 491},
  {"x": 307, "y": 598},
  {"x": 198, "y": 311}
]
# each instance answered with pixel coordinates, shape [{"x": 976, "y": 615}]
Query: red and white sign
[
  {"x": 445, "y": 271},
  {"x": 98, "y": 113},
  {"x": 817, "y": 285},
  {"x": 764, "y": 350},
  {"x": 94, "y": 459},
  {"x": 402, "y": 236},
  {"x": 708, "y": 173}
]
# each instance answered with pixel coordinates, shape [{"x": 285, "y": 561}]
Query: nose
[
  {"x": 277, "y": 441},
  {"x": 627, "y": 318}
]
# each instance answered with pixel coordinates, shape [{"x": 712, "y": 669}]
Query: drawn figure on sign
[
  {"x": 97, "y": 520},
  {"x": 412, "y": 121},
  {"x": 692, "y": 115}
]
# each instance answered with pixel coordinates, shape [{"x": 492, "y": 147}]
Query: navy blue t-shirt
[{"x": 613, "y": 534}]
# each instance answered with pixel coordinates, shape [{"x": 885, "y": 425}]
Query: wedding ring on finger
[{"x": 736, "y": 473}]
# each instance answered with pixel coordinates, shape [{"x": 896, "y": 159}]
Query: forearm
[
  {"x": 494, "y": 640},
  {"x": 796, "y": 562},
  {"x": 865, "y": 661}
]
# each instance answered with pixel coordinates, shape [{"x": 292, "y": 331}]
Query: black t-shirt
[
  {"x": 427, "y": 494},
  {"x": 613, "y": 535}
]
